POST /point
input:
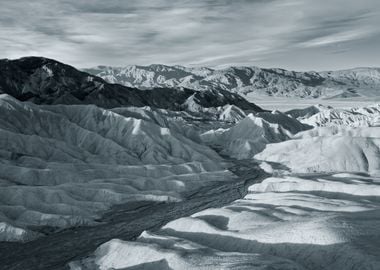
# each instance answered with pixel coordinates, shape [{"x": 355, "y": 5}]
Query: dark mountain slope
[{"x": 46, "y": 81}]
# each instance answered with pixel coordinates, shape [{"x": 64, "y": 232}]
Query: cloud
[
  {"x": 337, "y": 38},
  {"x": 188, "y": 32}
]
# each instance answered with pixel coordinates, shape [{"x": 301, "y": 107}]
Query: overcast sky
[{"x": 293, "y": 34}]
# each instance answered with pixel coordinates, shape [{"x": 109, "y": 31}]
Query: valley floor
[
  {"x": 308, "y": 221},
  {"x": 56, "y": 250},
  {"x": 286, "y": 104}
]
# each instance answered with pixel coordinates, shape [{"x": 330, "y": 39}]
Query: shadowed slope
[{"x": 46, "y": 81}]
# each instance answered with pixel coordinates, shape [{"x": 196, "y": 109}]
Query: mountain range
[
  {"x": 357, "y": 82},
  {"x": 46, "y": 81}
]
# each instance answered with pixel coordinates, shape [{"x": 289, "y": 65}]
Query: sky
[{"x": 291, "y": 34}]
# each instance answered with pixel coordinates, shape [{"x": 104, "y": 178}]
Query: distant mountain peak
[{"x": 249, "y": 80}]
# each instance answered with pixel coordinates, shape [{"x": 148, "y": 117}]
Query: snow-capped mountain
[
  {"x": 245, "y": 80},
  {"x": 46, "y": 81}
]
